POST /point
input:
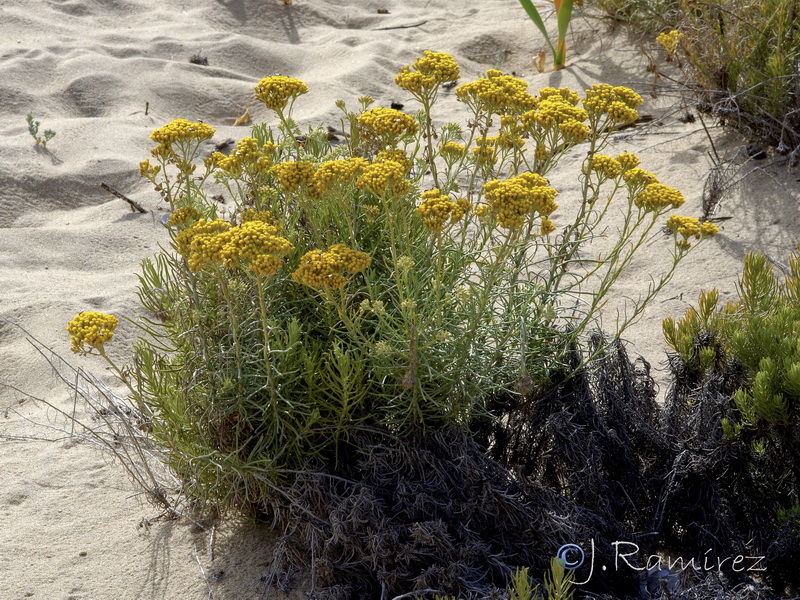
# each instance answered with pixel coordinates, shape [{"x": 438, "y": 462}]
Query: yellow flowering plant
[{"x": 409, "y": 278}]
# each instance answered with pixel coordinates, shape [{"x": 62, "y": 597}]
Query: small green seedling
[{"x": 33, "y": 129}]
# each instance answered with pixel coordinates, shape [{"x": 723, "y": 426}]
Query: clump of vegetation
[
  {"x": 329, "y": 347},
  {"x": 739, "y": 58},
  {"x": 738, "y": 375},
  {"x": 33, "y": 129}
]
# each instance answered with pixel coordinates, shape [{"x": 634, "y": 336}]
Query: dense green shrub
[{"x": 735, "y": 410}]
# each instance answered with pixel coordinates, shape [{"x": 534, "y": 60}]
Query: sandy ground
[{"x": 103, "y": 74}]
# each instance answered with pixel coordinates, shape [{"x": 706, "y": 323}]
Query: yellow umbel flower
[
  {"x": 669, "y": 40},
  {"x": 184, "y": 216},
  {"x": 181, "y": 130},
  {"x": 691, "y": 227},
  {"x": 497, "y": 93},
  {"x": 564, "y": 93},
  {"x": 657, "y": 196},
  {"x": 255, "y": 243},
  {"x": 260, "y": 215},
  {"x": 573, "y": 131},
  {"x": 325, "y": 269},
  {"x": 637, "y": 177},
  {"x": 609, "y": 167},
  {"x": 484, "y": 152},
  {"x": 248, "y": 156},
  {"x": 619, "y": 102},
  {"x": 437, "y": 208},
  {"x": 547, "y": 227},
  {"x": 510, "y": 201},
  {"x": 628, "y": 160},
  {"x": 398, "y": 156},
  {"x": 383, "y": 177},
  {"x": 387, "y": 122},
  {"x": 91, "y": 329},
  {"x": 553, "y": 110},
  {"x": 276, "y": 91},
  {"x": 427, "y": 72},
  {"x": 201, "y": 243},
  {"x": 291, "y": 174},
  {"x": 147, "y": 170},
  {"x": 335, "y": 172}
]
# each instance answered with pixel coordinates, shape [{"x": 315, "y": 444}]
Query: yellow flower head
[
  {"x": 452, "y": 151},
  {"x": 564, "y": 93},
  {"x": 398, "y": 156},
  {"x": 255, "y": 243},
  {"x": 427, "y": 72},
  {"x": 247, "y": 157},
  {"x": 484, "y": 152},
  {"x": 496, "y": 93},
  {"x": 336, "y": 172},
  {"x": 691, "y": 227},
  {"x": 91, "y": 329},
  {"x": 291, "y": 174},
  {"x": 628, "y": 160},
  {"x": 609, "y": 167},
  {"x": 387, "y": 122},
  {"x": 437, "y": 208},
  {"x": 185, "y": 215},
  {"x": 325, "y": 269},
  {"x": 382, "y": 177},
  {"x": 637, "y": 177},
  {"x": 510, "y": 201},
  {"x": 547, "y": 227},
  {"x": 669, "y": 40},
  {"x": 276, "y": 91},
  {"x": 553, "y": 110},
  {"x": 201, "y": 243},
  {"x": 619, "y": 102},
  {"x": 148, "y": 170},
  {"x": 657, "y": 196},
  {"x": 260, "y": 215},
  {"x": 181, "y": 130}
]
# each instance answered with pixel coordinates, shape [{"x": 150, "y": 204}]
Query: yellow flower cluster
[
  {"x": 386, "y": 176},
  {"x": 628, "y": 160},
  {"x": 398, "y": 156},
  {"x": 325, "y": 269},
  {"x": 335, "y": 172},
  {"x": 618, "y": 102},
  {"x": 183, "y": 216},
  {"x": 148, "y": 170},
  {"x": 484, "y": 151},
  {"x": 636, "y": 177},
  {"x": 247, "y": 156},
  {"x": 497, "y": 93},
  {"x": 511, "y": 200},
  {"x": 389, "y": 122},
  {"x": 669, "y": 40},
  {"x": 201, "y": 244},
  {"x": 276, "y": 91},
  {"x": 427, "y": 72},
  {"x": 181, "y": 130},
  {"x": 291, "y": 174},
  {"x": 563, "y": 92},
  {"x": 691, "y": 227},
  {"x": 255, "y": 243},
  {"x": 547, "y": 226},
  {"x": 452, "y": 151},
  {"x": 91, "y": 329},
  {"x": 260, "y": 215},
  {"x": 609, "y": 167},
  {"x": 657, "y": 196},
  {"x": 436, "y": 208},
  {"x": 553, "y": 110}
]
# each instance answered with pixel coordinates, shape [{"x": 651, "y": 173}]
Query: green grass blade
[
  {"x": 537, "y": 20},
  {"x": 564, "y": 16}
]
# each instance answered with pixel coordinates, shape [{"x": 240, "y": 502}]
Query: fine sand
[{"x": 103, "y": 74}]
